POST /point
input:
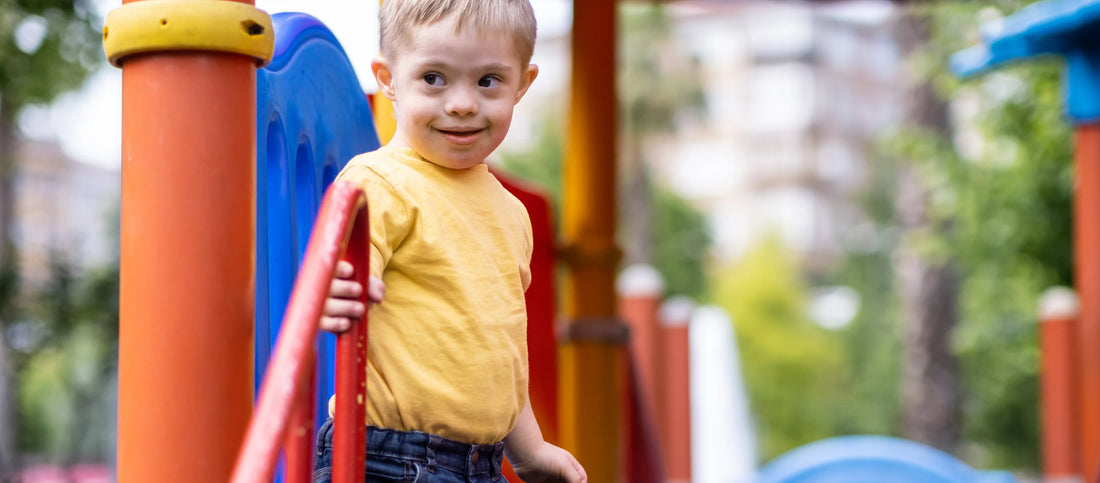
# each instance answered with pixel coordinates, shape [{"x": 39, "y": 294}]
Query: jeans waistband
[{"x": 435, "y": 450}]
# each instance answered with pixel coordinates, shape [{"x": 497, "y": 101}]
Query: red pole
[
  {"x": 1058, "y": 313},
  {"x": 292, "y": 359},
  {"x": 298, "y": 448},
  {"x": 676, "y": 389},
  {"x": 349, "y": 437},
  {"x": 640, "y": 289},
  {"x": 1086, "y": 240}
]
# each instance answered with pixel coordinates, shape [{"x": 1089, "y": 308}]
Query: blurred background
[{"x": 878, "y": 231}]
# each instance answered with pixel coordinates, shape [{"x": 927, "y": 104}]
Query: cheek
[
  {"x": 416, "y": 112},
  {"x": 501, "y": 114}
]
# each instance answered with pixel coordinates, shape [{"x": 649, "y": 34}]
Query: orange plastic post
[
  {"x": 1086, "y": 240},
  {"x": 640, "y": 289},
  {"x": 675, "y": 418},
  {"x": 1058, "y": 312},
  {"x": 591, "y": 377},
  {"x": 186, "y": 281}
]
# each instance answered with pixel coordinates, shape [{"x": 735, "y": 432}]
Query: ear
[
  {"x": 384, "y": 76},
  {"x": 526, "y": 79}
]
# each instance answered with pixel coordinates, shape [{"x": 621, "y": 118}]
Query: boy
[{"x": 450, "y": 250}]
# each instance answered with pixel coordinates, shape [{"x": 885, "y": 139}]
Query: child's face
[{"x": 453, "y": 93}]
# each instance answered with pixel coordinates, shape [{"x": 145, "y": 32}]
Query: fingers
[
  {"x": 343, "y": 287},
  {"x": 346, "y": 289},
  {"x": 344, "y": 308},
  {"x": 335, "y": 324},
  {"x": 582, "y": 476},
  {"x": 344, "y": 269},
  {"x": 376, "y": 289}
]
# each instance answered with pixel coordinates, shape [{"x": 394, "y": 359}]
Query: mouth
[{"x": 461, "y": 135}]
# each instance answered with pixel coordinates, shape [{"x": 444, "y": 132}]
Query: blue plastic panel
[
  {"x": 1055, "y": 27},
  {"x": 312, "y": 117},
  {"x": 879, "y": 459}
]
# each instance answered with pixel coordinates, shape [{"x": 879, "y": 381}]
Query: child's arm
[
  {"x": 342, "y": 305},
  {"x": 534, "y": 459}
]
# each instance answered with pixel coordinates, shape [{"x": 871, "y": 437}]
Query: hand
[
  {"x": 342, "y": 305},
  {"x": 548, "y": 463}
]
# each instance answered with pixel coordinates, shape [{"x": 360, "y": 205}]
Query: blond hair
[{"x": 397, "y": 18}]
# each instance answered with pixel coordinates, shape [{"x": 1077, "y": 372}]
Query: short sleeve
[
  {"x": 529, "y": 248},
  {"x": 388, "y": 213}
]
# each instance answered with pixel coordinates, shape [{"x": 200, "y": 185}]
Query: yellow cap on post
[{"x": 160, "y": 25}]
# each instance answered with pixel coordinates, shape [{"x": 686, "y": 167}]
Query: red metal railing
[{"x": 284, "y": 412}]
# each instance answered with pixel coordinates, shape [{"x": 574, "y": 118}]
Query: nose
[{"x": 461, "y": 101}]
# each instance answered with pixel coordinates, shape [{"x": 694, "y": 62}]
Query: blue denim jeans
[{"x": 415, "y": 456}]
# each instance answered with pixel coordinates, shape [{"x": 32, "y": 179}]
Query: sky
[{"x": 88, "y": 123}]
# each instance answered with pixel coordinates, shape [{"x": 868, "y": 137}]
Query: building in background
[
  {"x": 797, "y": 95},
  {"x": 64, "y": 211}
]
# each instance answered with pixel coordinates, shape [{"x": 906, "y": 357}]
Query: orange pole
[
  {"x": 640, "y": 288},
  {"x": 676, "y": 389},
  {"x": 1086, "y": 240},
  {"x": 1058, "y": 312},
  {"x": 591, "y": 377},
  {"x": 186, "y": 281}
]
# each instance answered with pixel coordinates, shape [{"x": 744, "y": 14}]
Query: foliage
[
  {"x": 681, "y": 242},
  {"x": 659, "y": 86},
  {"x": 1013, "y": 204},
  {"x": 541, "y": 163},
  {"x": 680, "y": 233},
  {"x": 70, "y": 48},
  {"x": 794, "y": 370},
  {"x": 1010, "y": 207},
  {"x": 657, "y": 83},
  {"x": 47, "y": 47},
  {"x": 68, "y": 358}
]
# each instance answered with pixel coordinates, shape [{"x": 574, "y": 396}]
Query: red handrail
[{"x": 340, "y": 230}]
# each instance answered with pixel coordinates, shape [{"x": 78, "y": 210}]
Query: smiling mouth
[{"x": 460, "y": 136}]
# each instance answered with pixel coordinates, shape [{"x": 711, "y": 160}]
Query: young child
[{"x": 450, "y": 252}]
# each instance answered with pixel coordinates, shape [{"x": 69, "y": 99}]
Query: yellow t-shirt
[{"x": 448, "y": 343}]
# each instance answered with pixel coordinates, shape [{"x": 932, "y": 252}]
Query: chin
[{"x": 459, "y": 162}]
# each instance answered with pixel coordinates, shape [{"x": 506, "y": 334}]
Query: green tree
[
  {"x": 680, "y": 235},
  {"x": 65, "y": 362},
  {"x": 657, "y": 83},
  {"x": 1012, "y": 202},
  {"x": 47, "y": 47},
  {"x": 1009, "y": 206},
  {"x": 794, "y": 370}
]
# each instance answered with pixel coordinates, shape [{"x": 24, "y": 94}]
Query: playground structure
[{"x": 197, "y": 113}]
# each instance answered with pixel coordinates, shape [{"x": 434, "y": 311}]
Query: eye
[
  {"x": 488, "y": 81},
  {"x": 433, "y": 79}
]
